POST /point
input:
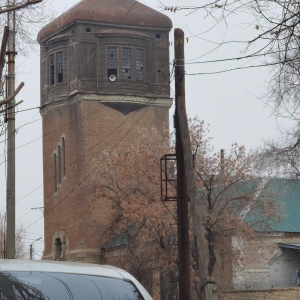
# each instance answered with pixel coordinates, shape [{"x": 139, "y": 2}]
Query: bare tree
[
  {"x": 277, "y": 41},
  {"x": 129, "y": 182},
  {"x": 21, "y": 252},
  {"x": 143, "y": 228},
  {"x": 228, "y": 194},
  {"x": 31, "y": 16}
]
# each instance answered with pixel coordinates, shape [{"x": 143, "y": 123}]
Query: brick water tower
[{"x": 104, "y": 76}]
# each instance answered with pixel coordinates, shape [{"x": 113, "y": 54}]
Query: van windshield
[{"x": 48, "y": 285}]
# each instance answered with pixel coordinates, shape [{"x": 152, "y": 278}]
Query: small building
[{"x": 272, "y": 258}]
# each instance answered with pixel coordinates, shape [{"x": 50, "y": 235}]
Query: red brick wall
[{"x": 89, "y": 128}]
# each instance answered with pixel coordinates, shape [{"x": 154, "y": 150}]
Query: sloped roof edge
[{"x": 117, "y": 12}]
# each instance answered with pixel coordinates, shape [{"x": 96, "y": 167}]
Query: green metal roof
[
  {"x": 285, "y": 192},
  {"x": 120, "y": 240}
]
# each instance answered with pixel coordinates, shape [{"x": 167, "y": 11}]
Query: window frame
[
  {"x": 126, "y": 63},
  {"x": 111, "y": 61},
  {"x": 139, "y": 62},
  {"x": 129, "y": 63},
  {"x": 56, "y": 68},
  {"x": 59, "y": 164}
]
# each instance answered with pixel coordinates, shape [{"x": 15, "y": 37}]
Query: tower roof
[{"x": 120, "y": 12}]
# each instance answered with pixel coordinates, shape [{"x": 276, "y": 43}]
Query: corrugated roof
[
  {"x": 120, "y": 240},
  {"x": 285, "y": 192},
  {"x": 120, "y": 12}
]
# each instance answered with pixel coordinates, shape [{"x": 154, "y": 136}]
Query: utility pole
[
  {"x": 10, "y": 185},
  {"x": 31, "y": 248},
  {"x": 30, "y": 251},
  {"x": 182, "y": 196},
  {"x": 187, "y": 186}
]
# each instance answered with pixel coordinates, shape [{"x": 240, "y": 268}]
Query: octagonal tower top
[{"x": 122, "y": 12}]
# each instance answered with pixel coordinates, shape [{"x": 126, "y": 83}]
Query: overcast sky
[{"x": 231, "y": 102}]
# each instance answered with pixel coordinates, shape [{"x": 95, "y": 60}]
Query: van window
[{"x": 53, "y": 286}]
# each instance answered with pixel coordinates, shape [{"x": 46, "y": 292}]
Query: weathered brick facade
[
  {"x": 263, "y": 264},
  {"x": 86, "y": 112}
]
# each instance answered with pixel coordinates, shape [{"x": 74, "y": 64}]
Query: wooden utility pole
[
  {"x": 206, "y": 285},
  {"x": 10, "y": 187},
  {"x": 182, "y": 197},
  {"x": 3, "y": 49}
]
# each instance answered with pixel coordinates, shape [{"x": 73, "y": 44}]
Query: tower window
[
  {"x": 55, "y": 172},
  {"x": 59, "y": 57},
  {"x": 126, "y": 63},
  {"x": 51, "y": 69},
  {"x": 56, "y": 68},
  {"x": 88, "y": 29},
  {"x": 139, "y": 64},
  {"x": 63, "y": 154},
  {"x": 59, "y": 164},
  {"x": 112, "y": 61},
  {"x": 158, "y": 35}
]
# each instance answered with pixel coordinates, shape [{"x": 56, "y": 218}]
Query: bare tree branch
[{"x": 18, "y": 6}]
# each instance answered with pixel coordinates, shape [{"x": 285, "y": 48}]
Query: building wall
[
  {"x": 89, "y": 129},
  {"x": 265, "y": 265}
]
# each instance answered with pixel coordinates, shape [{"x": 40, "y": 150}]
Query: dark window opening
[
  {"x": 59, "y": 58},
  {"x": 63, "y": 154},
  {"x": 158, "y": 35},
  {"x": 55, "y": 172},
  {"x": 112, "y": 63},
  {"x": 56, "y": 68},
  {"x": 88, "y": 29},
  {"x": 59, "y": 164},
  {"x": 112, "y": 72},
  {"x": 51, "y": 69},
  {"x": 58, "y": 248}
]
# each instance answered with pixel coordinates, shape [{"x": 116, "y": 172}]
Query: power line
[{"x": 236, "y": 69}]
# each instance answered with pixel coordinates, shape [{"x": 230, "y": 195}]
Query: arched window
[
  {"x": 58, "y": 248},
  {"x": 59, "y": 164},
  {"x": 55, "y": 172},
  {"x": 63, "y": 157}
]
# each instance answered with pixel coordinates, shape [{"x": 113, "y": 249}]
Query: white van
[{"x": 53, "y": 280}]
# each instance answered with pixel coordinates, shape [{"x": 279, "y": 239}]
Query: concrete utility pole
[
  {"x": 31, "y": 248},
  {"x": 10, "y": 187},
  {"x": 182, "y": 197}
]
